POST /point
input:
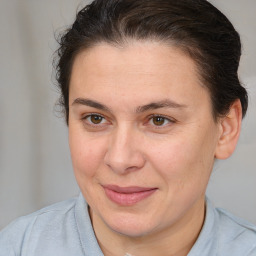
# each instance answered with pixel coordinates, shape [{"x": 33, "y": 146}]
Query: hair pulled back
[{"x": 194, "y": 26}]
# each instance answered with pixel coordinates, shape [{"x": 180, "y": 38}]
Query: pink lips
[{"x": 127, "y": 196}]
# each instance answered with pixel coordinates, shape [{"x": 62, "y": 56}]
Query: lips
[{"x": 127, "y": 196}]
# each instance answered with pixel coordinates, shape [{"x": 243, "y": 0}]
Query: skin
[{"x": 126, "y": 146}]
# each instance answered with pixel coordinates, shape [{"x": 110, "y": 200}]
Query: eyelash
[
  {"x": 90, "y": 123},
  {"x": 149, "y": 120},
  {"x": 168, "y": 119}
]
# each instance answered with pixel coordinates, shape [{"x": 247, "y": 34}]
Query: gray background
[{"x": 35, "y": 166}]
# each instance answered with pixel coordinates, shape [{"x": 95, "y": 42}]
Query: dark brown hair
[{"x": 194, "y": 26}]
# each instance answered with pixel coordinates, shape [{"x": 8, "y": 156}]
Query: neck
[{"x": 178, "y": 239}]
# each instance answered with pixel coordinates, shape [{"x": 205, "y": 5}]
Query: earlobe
[{"x": 230, "y": 127}]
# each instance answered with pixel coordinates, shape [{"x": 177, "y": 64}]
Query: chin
[
  {"x": 132, "y": 227},
  {"x": 132, "y": 233}
]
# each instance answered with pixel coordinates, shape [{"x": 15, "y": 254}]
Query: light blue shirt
[{"x": 65, "y": 229}]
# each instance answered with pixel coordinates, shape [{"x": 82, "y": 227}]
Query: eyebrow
[
  {"x": 151, "y": 106},
  {"x": 90, "y": 103},
  {"x": 160, "y": 104}
]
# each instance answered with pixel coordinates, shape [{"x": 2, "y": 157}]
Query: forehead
[
  {"x": 136, "y": 56},
  {"x": 139, "y": 70}
]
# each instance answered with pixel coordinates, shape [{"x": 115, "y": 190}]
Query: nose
[{"x": 124, "y": 153}]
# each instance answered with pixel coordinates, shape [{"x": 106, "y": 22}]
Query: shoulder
[
  {"x": 13, "y": 238},
  {"x": 45, "y": 215},
  {"x": 224, "y": 234},
  {"x": 236, "y": 234}
]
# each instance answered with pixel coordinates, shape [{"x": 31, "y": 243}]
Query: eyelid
[
  {"x": 163, "y": 116},
  {"x": 85, "y": 116},
  {"x": 169, "y": 119},
  {"x": 92, "y": 114}
]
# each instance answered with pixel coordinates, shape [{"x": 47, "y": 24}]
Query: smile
[{"x": 127, "y": 196}]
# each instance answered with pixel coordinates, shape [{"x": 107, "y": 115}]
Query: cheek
[
  {"x": 87, "y": 154},
  {"x": 182, "y": 160}
]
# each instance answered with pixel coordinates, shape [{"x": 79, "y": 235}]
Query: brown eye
[
  {"x": 158, "y": 120},
  {"x": 95, "y": 119},
  {"x": 95, "y": 122}
]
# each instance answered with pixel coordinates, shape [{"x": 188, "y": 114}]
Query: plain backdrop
[{"x": 35, "y": 166}]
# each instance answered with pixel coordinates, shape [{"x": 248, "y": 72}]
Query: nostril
[{"x": 122, "y": 164}]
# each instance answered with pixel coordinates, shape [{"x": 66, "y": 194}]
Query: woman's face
[{"x": 142, "y": 136}]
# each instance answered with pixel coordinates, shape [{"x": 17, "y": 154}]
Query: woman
[{"x": 152, "y": 97}]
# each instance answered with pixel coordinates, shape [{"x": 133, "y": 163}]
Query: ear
[{"x": 230, "y": 126}]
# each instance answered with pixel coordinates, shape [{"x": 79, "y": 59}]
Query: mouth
[{"x": 127, "y": 196}]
